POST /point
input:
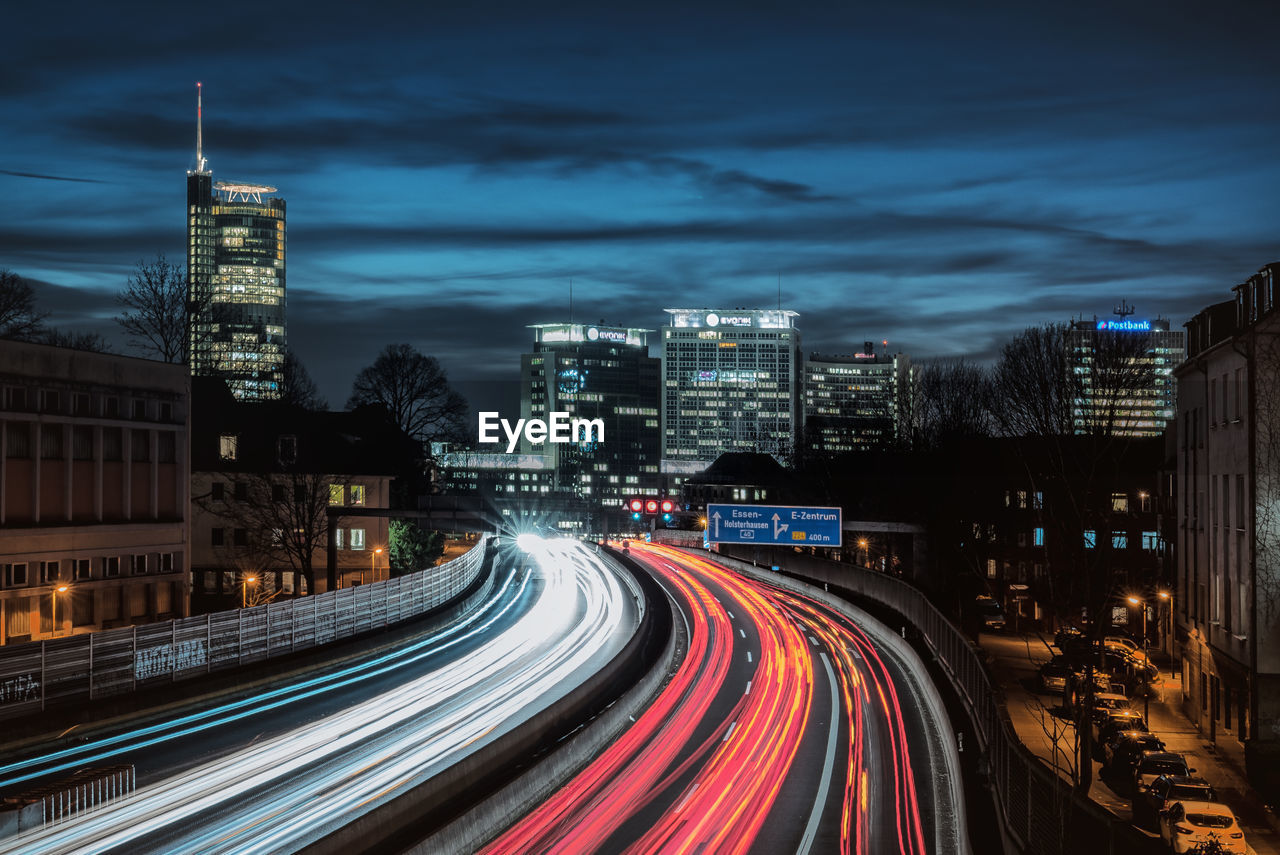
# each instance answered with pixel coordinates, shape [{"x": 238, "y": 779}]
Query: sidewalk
[{"x": 1014, "y": 660}]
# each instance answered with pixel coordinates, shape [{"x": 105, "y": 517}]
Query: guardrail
[
  {"x": 1041, "y": 813},
  {"x": 118, "y": 661}
]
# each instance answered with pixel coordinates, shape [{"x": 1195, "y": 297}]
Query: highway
[
  {"x": 784, "y": 729},
  {"x": 281, "y": 769}
]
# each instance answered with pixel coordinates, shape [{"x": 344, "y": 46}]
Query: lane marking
[
  {"x": 813, "y": 641},
  {"x": 748, "y": 655},
  {"x": 748, "y": 691},
  {"x": 820, "y": 802},
  {"x": 742, "y": 632},
  {"x": 730, "y": 614}
]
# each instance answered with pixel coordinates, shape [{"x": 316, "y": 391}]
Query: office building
[
  {"x": 730, "y": 382},
  {"x": 1125, "y": 374},
  {"x": 235, "y": 281},
  {"x": 595, "y": 371},
  {"x": 93, "y": 491},
  {"x": 1224, "y": 605},
  {"x": 856, "y": 402}
]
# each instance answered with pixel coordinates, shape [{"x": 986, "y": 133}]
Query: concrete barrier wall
[{"x": 119, "y": 661}]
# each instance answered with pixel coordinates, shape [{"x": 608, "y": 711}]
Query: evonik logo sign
[{"x": 560, "y": 428}]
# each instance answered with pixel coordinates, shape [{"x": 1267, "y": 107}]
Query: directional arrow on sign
[
  {"x": 777, "y": 529},
  {"x": 716, "y": 517}
]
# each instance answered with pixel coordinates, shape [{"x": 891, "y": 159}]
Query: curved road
[
  {"x": 784, "y": 729},
  {"x": 272, "y": 775}
]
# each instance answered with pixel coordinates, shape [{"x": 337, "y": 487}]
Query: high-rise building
[
  {"x": 856, "y": 402},
  {"x": 1128, "y": 391},
  {"x": 730, "y": 382},
  {"x": 595, "y": 372},
  {"x": 235, "y": 280}
]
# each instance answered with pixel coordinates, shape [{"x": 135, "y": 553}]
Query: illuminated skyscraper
[
  {"x": 235, "y": 280},
  {"x": 857, "y": 402},
  {"x": 1127, "y": 390},
  {"x": 730, "y": 382}
]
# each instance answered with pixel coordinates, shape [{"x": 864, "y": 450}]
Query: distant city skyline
[{"x": 935, "y": 177}]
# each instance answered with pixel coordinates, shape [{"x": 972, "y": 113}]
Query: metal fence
[
  {"x": 1041, "y": 813},
  {"x": 117, "y": 661}
]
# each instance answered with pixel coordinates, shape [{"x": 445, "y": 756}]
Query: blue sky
[{"x": 936, "y": 174}]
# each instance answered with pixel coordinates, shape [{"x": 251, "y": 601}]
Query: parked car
[
  {"x": 1053, "y": 675},
  {"x": 1185, "y": 825},
  {"x": 1126, "y": 644},
  {"x": 1116, "y": 721},
  {"x": 1167, "y": 789},
  {"x": 1153, "y": 764},
  {"x": 990, "y": 613},
  {"x": 1105, "y": 703},
  {"x": 1124, "y": 749},
  {"x": 1067, "y": 635}
]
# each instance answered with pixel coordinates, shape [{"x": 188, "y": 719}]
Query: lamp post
[
  {"x": 1168, "y": 631},
  {"x": 373, "y": 563},
  {"x": 61, "y": 589},
  {"x": 244, "y": 590},
  {"x": 864, "y": 545},
  {"x": 1146, "y": 694}
]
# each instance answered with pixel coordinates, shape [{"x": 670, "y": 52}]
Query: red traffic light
[{"x": 668, "y": 506}]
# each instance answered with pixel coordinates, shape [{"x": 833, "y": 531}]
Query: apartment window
[
  {"x": 139, "y": 408},
  {"x": 112, "y": 444},
  {"x": 111, "y": 566},
  {"x": 166, "y": 411},
  {"x": 357, "y": 494},
  {"x": 217, "y": 491},
  {"x": 82, "y": 569},
  {"x": 1150, "y": 541},
  {"x": 167, "y": 562},
  {"x": 216, "y": 537},
  {"x": 15, "y": 398},
  {"x": 1037, "y": 499},
  {"x": 335, "y": 494},
  {"x": 1022, "y": 498},
  {"x": 1119, "y": 540},
  {"x": 167, "y": 446},
  {"x": 1120, "y": 503},
  {"x": 1239, "y": 393},
  {"x": 15, "y": 575},
  {"x": 138, "y": 565},
  {"x": 140, "y": 446},
  {"x": 49, "y": 571},
  {"x": 50, "y": 401},
  {"x": 80, "y": 402},
  {"x": 1090, "y": 538},
  {"x": 82, "y": 442},
  {"x": 111, "y": 407},
  {"x": 337, "y": 538},
  {"x": 18, "y": 439},
  {"x": 240, "y": 490},
  {"x": 1037, "y": 536},
  {"x": 51, "y": 442},
  {"x": 991, "y": 568},
  {"x": 227, "y": 446},
  {"x": 240, "y": 537},
  {"x": 357, "y": 538}
]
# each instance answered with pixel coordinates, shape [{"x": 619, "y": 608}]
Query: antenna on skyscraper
[
  {"x": 200, "y": 164},
  {"x": 1124, "y": 310}
]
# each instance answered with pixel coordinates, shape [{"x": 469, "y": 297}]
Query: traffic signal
[{"x": 651, "y": 506}]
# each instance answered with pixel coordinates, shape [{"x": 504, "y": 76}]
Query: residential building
[
  {"x": 595, "y": 372},
  {"x": 856, "y": 402},
  {"x": 1228, "y": 560},
  {"x": 1125, "y": 387},
  {"x": 235, "y": 281},
  {"x": 730, "y": 382},
  {"x": 266, "y": 478},
  {"x": 94, "y": 491}
]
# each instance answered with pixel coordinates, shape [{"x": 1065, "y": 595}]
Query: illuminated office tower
[
  {"x": 1145, "y": 400},
  {"x": 235, "y": 280},
  {"x": 594, "y": 371},
  {"x": 856, "y": 402},
  {"x": 730, "y": 382}
]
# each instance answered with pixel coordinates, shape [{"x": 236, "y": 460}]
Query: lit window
[
  {"x": 1151, "y": 541},
  {"x": 335, "y": 494},
  {"x": 227, "y": 446},
  {"x": 1037, "y": 537},
  {"x": 1090, "y": 538},
  {"x": 1120, "y": 502},
  {"x": 357, "y": 538},
  {"x": 1119, "y": 540},
  {"x": 337, "y": 538},
  {"x": 357, "y": 494}
]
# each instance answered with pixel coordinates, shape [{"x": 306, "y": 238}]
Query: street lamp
[
  {"x": 863, "y": 545},
  {"x": 1168, "y": 631},
  {"x": 61, "y": 589},
  {"x": 244, "y": 590},
  {"x": 373, "y": 563},
  {"x": 1146, "y": 694}
]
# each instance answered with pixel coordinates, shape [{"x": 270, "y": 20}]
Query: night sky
[{"x": 936, "y": 176}]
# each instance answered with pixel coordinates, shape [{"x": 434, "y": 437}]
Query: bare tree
[
  {"x": 951, "y": 400},
  {"x": 77, "y": 340},
  {"x": 18, "y": 316},
  {"x": 297, "y": 387},
  {"x": 416, "y": 392},
  {"x": 155, "y": 309}
]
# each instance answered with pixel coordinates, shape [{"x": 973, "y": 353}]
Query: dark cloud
[{"x": 50, "y": 177}]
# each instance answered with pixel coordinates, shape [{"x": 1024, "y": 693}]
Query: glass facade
[
  {"x": 856, "y": 402},
  {"x": 1138, "y": 409},
  {"x": 730, "y": 382},
  {"x": 236, "y": 279}
]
